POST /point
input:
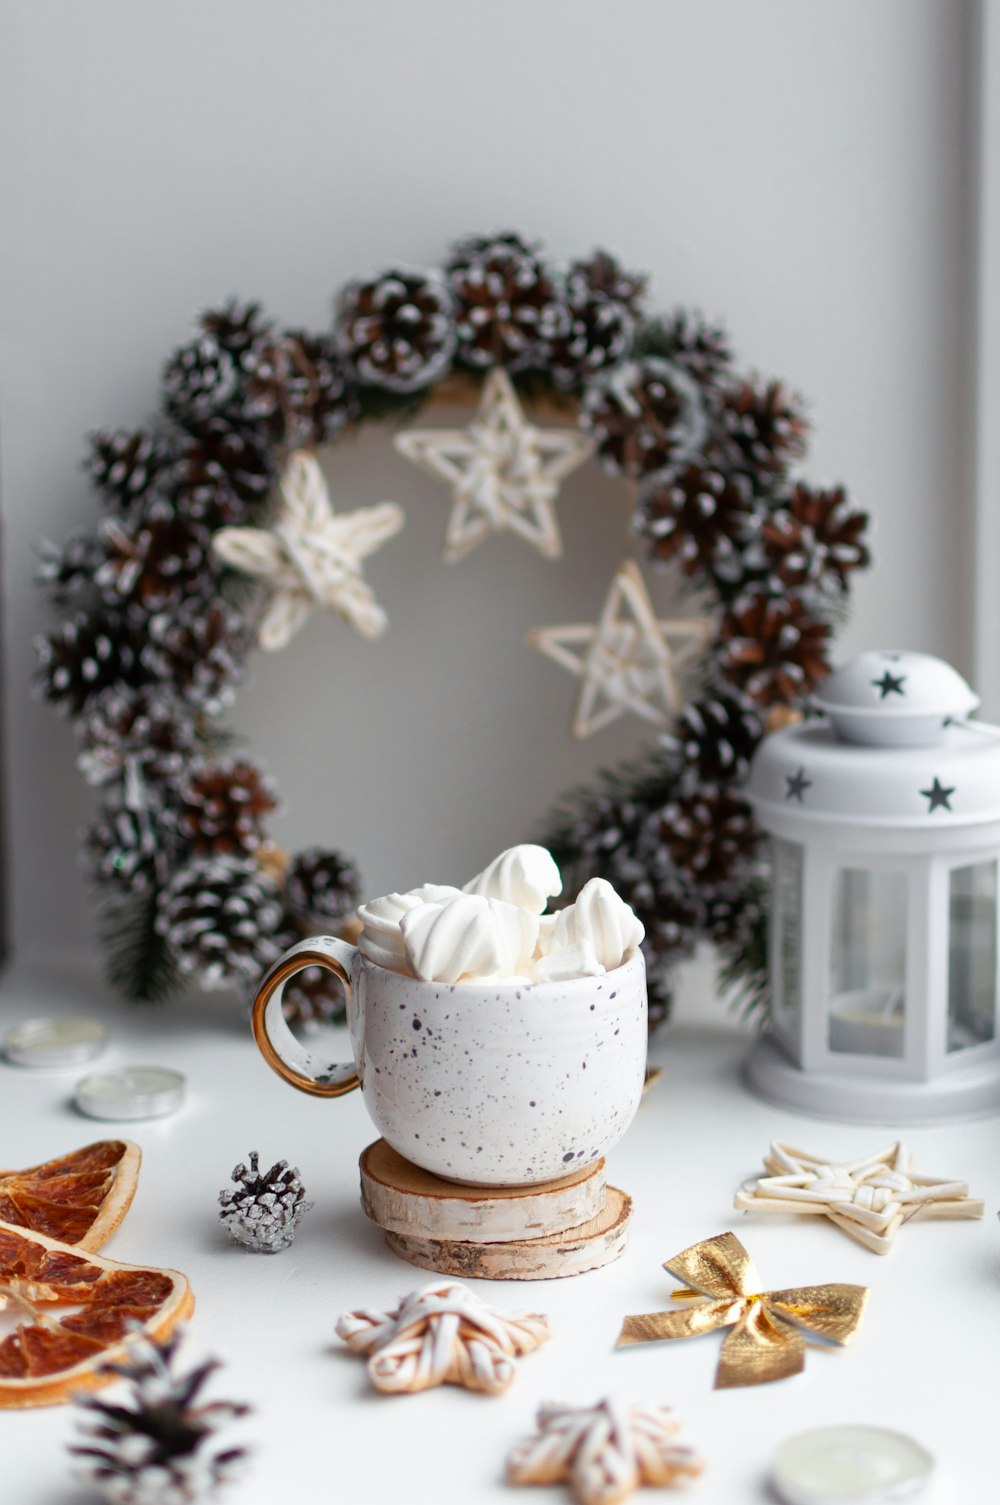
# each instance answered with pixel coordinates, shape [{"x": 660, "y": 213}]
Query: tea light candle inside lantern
[{"x": 884, "y": 823}]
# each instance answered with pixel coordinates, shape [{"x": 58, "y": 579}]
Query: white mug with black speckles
[{"x": 490, "y": 1083}]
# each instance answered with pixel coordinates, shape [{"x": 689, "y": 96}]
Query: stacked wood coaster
[{"x": 539, "y": 1232}]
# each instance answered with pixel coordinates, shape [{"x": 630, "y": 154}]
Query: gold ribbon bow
[{"x": 770, "y": 1329}]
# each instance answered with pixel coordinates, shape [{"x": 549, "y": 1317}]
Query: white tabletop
[{"x": 924, "y": 1360}]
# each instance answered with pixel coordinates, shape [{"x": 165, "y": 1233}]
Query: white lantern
[{"x": 884, "y": 822}]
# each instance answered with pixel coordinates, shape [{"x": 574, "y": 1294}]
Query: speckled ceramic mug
[{"x": 493, "y": 1084}]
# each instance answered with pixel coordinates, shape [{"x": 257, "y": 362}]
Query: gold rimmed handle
[{"x": 292, "y": 1060}]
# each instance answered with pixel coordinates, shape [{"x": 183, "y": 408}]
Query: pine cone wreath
[
  {"x": 200, "y": 653},
  {"x": 126, "y": 464},
  {"x": 763, "y": 426},
  {"x": 699, "y": 516},
  {"x": 397, "y": 329},
  {"x": 509, "y": 305},
  {"x": 816, "y": 538},
  {"x": 708, "y": 832},
  {"x": 602, "y": 309},
  {"x": 686, "y": 340},
  {"x": 219, "y": 916},
  {"x": 264, "y": 1212},
  {"x": 222, "y": 807},
  {"x": 773, "y": 649},
  {"x": 717, "y": 736},
  {"x": 322, "y": 886},
  {"x": 124, "y": 849},
  {"x": 84, "y": 656},
  {"x": 645, "y": 415},
  {"x": 156, "y": 560},
  {"x": 67, "y": 573},
  {"x": 333, "y": 393},
  {"x": 161, "y": 1447},
  {"x": 148, "y": 730}
]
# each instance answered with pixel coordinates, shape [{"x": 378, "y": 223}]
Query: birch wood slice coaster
[
  {"x": 403, "y": 1199},
  {"x": 571, "y": 1252}
]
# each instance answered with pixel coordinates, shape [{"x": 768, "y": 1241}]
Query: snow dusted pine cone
[
  {"x": 699, "y": 516},
  {"x": 84, "y": 656},
  {"x": 816, "y": 538},
  {"x": 219, "y": 916},
  {"x": 222, "y": 807},
  {"x": 764, "y": 427},
  {"x": 155, "y": 561},
  {"x": 397, "y": 329},
  {"x": 322, "y": 885},
  {"x": 149, "y": 731},
  {"x": 718, "y": 735},
  {"x": 708, "y": 832},
  {"x": 645, "y": 415},
  {"x": 265, "y": 1210},
  {"x": 200, "y": 652},
  {"x": 509, "y": 306},
  {"x": 125, "y": 464},
  {"x": 602, "y": 303},
  {"x": 774, "y": 649}
]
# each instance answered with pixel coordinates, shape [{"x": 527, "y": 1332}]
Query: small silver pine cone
[{"x": 264, "y": 1211}]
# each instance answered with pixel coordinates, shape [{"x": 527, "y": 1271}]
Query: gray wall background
[{"x": 804, "y": 171}]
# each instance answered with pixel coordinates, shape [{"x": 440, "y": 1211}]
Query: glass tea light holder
[{"x": 883, "y": 817}]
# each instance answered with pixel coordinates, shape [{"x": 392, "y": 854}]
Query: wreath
[{"x": 205, "y": 550}]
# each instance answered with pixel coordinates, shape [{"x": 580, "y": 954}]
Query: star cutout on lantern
[
  {"x": 503, "y": 471},
  {"x": 890, "y": 684},
  {"x": 938, "y": 795},
  {"x": 311, "y": 556},
  {"x": 603, "y": 1452},
  {"x": 625, "y": 661},
  {"x": 868, "y": 1199},
  {"x": 797, "y": 785}
]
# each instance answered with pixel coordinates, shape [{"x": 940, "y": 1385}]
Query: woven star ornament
[
  {"x": 603, "y": 1452},
  {"x": 770, "y": 1329},
  {"x": 311, "y": 556}
]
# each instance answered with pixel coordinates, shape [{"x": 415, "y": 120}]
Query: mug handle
[{"x": 279, "y": 1047}]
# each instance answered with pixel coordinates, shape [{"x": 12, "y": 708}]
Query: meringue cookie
[
  {"x": 526, "y": 876},
  {"x": 381, "y": 940},
  {"x": 468, "y": 936},
  {"x": 578, "y": 960},
  {"x": 602, "y": 918}
]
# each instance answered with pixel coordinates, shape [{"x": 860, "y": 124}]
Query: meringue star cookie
[
  {"x": 525, "y": 876},
  {"x": 599, "y": 917}
]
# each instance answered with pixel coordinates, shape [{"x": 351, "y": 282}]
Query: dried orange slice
[
  {"x": 72, "y": 1312},
  {"x": 79, "y": 1198}
]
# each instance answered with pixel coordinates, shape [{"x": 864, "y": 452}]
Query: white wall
[{"x": 800, "y": 169}]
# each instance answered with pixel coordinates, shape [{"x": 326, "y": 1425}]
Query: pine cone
[
  {"x": 237, "y": 327},
  {"x": 155, "y": 561},
  {"x": 200, "y": 652},
  {"x": 84, "y": 656},
  {"x": 222, "y": 476},
  {"x": 708, "y": 832},
  {"x": 312, "y": 997},
  {"x": 322, "y": 885},
  {"x": 264, "y": 1212},
  {"x": 219, "y": 916},
  {"x": 510, "y": 307},
  {"x": 645, "y": 415},
  {"x": 126, "y": 464},
  {"x": 764, "y": 427},
  {"x": 222, "y": 807},
  {"x": 67, "y": 573},
  {"x": 147, "y": 730},
  {"x": 815, "y": 538},
  {"x": 718, "y": 736},
  {"x": 277, "y": 392},
  {"x": 199, "y": 381},
  {"x": 124, "y": 849},
  {"x": 160, "y": 1449},
  {"x": 602, "y": 305},
  {"x": 397, "y": 328},
  {"x": 334, "y": 395},
  {"x": 686, "y": 340},
  {"x": 698, "y": 516},
  {"x": 773, "y": 649},
  {"x": 732, "y": 912}
]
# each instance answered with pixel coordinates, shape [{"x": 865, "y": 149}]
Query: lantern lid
[{"x": 895, "y": 698}]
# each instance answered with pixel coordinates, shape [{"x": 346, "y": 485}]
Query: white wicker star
[
  {"x": 504, "y": 472},
  {"x": 603, "y": 1452},
  {"x": 868, "y": 1199},
  {"x": 311, "y": 556},
  {"x": 442, "y": 1335},
  {"x": 627, "y": 664}
]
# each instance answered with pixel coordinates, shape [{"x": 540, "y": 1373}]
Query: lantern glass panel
[
  {"x": 787, "y": 860},
  {"x": 972, "y": 955},
  {"x": 868, "y": 962}
]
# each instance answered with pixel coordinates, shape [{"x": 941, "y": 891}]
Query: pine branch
[{"x": 139, "y": 963}]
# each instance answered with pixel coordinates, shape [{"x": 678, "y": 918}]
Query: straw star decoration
[
  {"x": 603, "y": 1452},
  {"x": 770, "y": 1329},
  {"x": 625, "y": 662},
  {"x": 441, "y": 1335},
  {"x": 503, "y": 471},
  {"x": 867, "y": 1199},
  {"x": 311, "y": 556}
]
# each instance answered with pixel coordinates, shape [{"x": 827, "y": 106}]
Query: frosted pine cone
[
  {"x": 67, "y": 573},
  {"x": 397, "y": 329},
  {"x": 222, "y": 807},
  {"x": 816, "y": 538},
  {"x": 161, "y": 1447},
  {"x": 84, "y": 656},
  {"x": 148, "y": 730},
  {"x": 764, "y": 427},
  {"x": 684, "y": 338},
  {"x": 708, "y": 832},
  {"x": 718, "y": 735},
  {"x": 601, "y": 304},
  {"x": 200, "y": 652},
  {"x": 124, "y": 849},
  {"x": 219, "y": 915},
  {"x": 264, "y": 1212},
  {"x": 126, "y": 464},
  {"x": 237, "y": 327},
  {"x": 509, "y": 306},
  {"x": 199, "y": 381},
  {"x": 644, "y": 415},
  {"x": 312, "y": 997},
  {"x": 156, "y": 560},
  {"x": 334, "y": 398},
  {"x": 699, "y": 516},
  {"x": 221, "y": 477},
  {"x": 774, "y": 649},
  {"x": 322, "y": 885}
]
